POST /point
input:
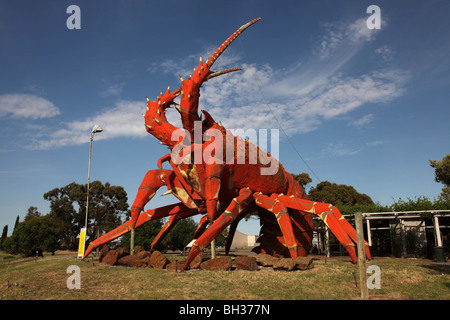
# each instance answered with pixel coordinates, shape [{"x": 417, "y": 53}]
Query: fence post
[
  {"x": 361, "y": 255},
  {"x": 327, "y": 241},
  {"x": 132, "y": 242}
]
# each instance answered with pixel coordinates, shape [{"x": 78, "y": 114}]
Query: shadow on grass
[{"x": 438, "y": 268}]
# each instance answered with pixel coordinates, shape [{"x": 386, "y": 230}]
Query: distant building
[{"x": 242, "y": 240}]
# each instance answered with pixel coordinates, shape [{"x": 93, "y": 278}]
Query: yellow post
[{"x": 81, "y": 243}]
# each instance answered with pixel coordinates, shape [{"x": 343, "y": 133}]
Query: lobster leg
[
  {"x": 147, "y": 190},
  {"x": 212, "y": 186},
  {"x": 232, "y": 231},
  {"x": 236, "y": 206},
  {"x": 340, "y": 227},
  {"x": 201, "y": 227},
  {"x": 348, "y": 228},
  {"x": 144, "y": 217},
  {"x": 330, "y": 220},
  {"x": 277, "y": 207}
]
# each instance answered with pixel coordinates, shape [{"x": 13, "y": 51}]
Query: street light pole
[{"x": 95, "y": 129}]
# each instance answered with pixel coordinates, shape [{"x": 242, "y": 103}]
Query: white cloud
[
  {"x": 386, "y": 53},
  {"x": 19, "y": 106},
  {"x": 113, "y": 90},
  {"x": 123, "y": 120},
  {"x": 165, "y": 66},
  {"x": 339, "y": 149},
  {"x": 311, "y": 93},
  {"x": 376, "y": 143},
  {"x": 241, "y": 87},
  {"x": 244, "y": 100},
  {"x": 362, "y": 122},
  {"x": 343, "y": 36},
  {"x": 260, "y": 96}
]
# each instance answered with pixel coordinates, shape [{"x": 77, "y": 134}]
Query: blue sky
[{"x": 362, "y": 107}]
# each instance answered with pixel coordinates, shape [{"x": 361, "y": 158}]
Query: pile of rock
[
  {"x": 144, "y": 259},
  {"x": 287, "y": 264},
  {"x": 156, "y": 260}
]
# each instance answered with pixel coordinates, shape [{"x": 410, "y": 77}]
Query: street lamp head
[{"x": 96, "y": 129}]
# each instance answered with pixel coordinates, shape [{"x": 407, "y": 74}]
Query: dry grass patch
[{"x": 45, "y": 278}]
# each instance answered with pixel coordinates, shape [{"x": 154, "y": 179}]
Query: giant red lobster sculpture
[{"x": 224, "y": 193}]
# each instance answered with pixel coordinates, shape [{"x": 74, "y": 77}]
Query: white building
[{"x": 242, "y": 240}]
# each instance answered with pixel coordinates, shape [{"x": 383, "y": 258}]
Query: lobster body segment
[{"x": 224, "y": 178}]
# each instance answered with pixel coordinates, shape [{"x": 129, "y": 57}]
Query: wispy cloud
[
  {"x": 298, "y": 100},
  {"x": 314, "y": 91},
  {"x": 113, "y": 90},
  {"x": 185, "y": 66},
  {"x": 386, "y": 53},
  {"x": 21, "y": 106},
  {"x": 123, "y": 120},
  {"x": 339, "y": 149},
  {"x": 362, "y": 122},
  {"x": 343, "y": 36},
  {"x": 376, "y": 143}
]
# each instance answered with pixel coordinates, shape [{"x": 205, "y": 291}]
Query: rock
[
  {"x": 195, "y": 264},
  {"x": 175, "y": 266},
  {"x": 123, "y": 251},
  {"x": 217, "y": 264},
  {"x": 158, "y": 260},
  {"x": 287, "y": 264},
  {"x": 134, "y": 261},
  {"x": 266, "y": 260},
  {"x": 143, "y": 254},
  {"x": 246, "y": 263},
  {"x": 111, "y": 257},
  {"x": 304, "y": 263},
  {"x": 138, "y": 249},
  {"x": 102, "y": 253}
]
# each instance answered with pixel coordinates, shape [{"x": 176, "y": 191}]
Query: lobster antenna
[
  {"x": 210, "y": 61},
  {"x": 279, "y": 124}
]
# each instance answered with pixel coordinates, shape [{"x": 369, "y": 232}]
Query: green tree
[
  {"x": 442, "y": 170},
  {"x": 107, "y": 206},
  {"x": 144, "y": 235},
  {"x": 181, "y": 234},
  {"x": 420, "y": 203},
  {"x": 32, "y": 213},
  {"x": 303, "y": 179},
  {"x": 63, "y": 212},
  {"x": 4, "y": 235},
  {"x": 16, "y": 223},
  {"x": 338, "y": 195},
  {"x": 442, "y": 174},
  {"x": 33, "y": 234}
]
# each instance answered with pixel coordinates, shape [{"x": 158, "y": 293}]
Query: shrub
[{"x": 35, "y": 233}]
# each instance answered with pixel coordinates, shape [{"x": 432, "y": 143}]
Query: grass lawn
[{"x": 45, "y": 279}]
